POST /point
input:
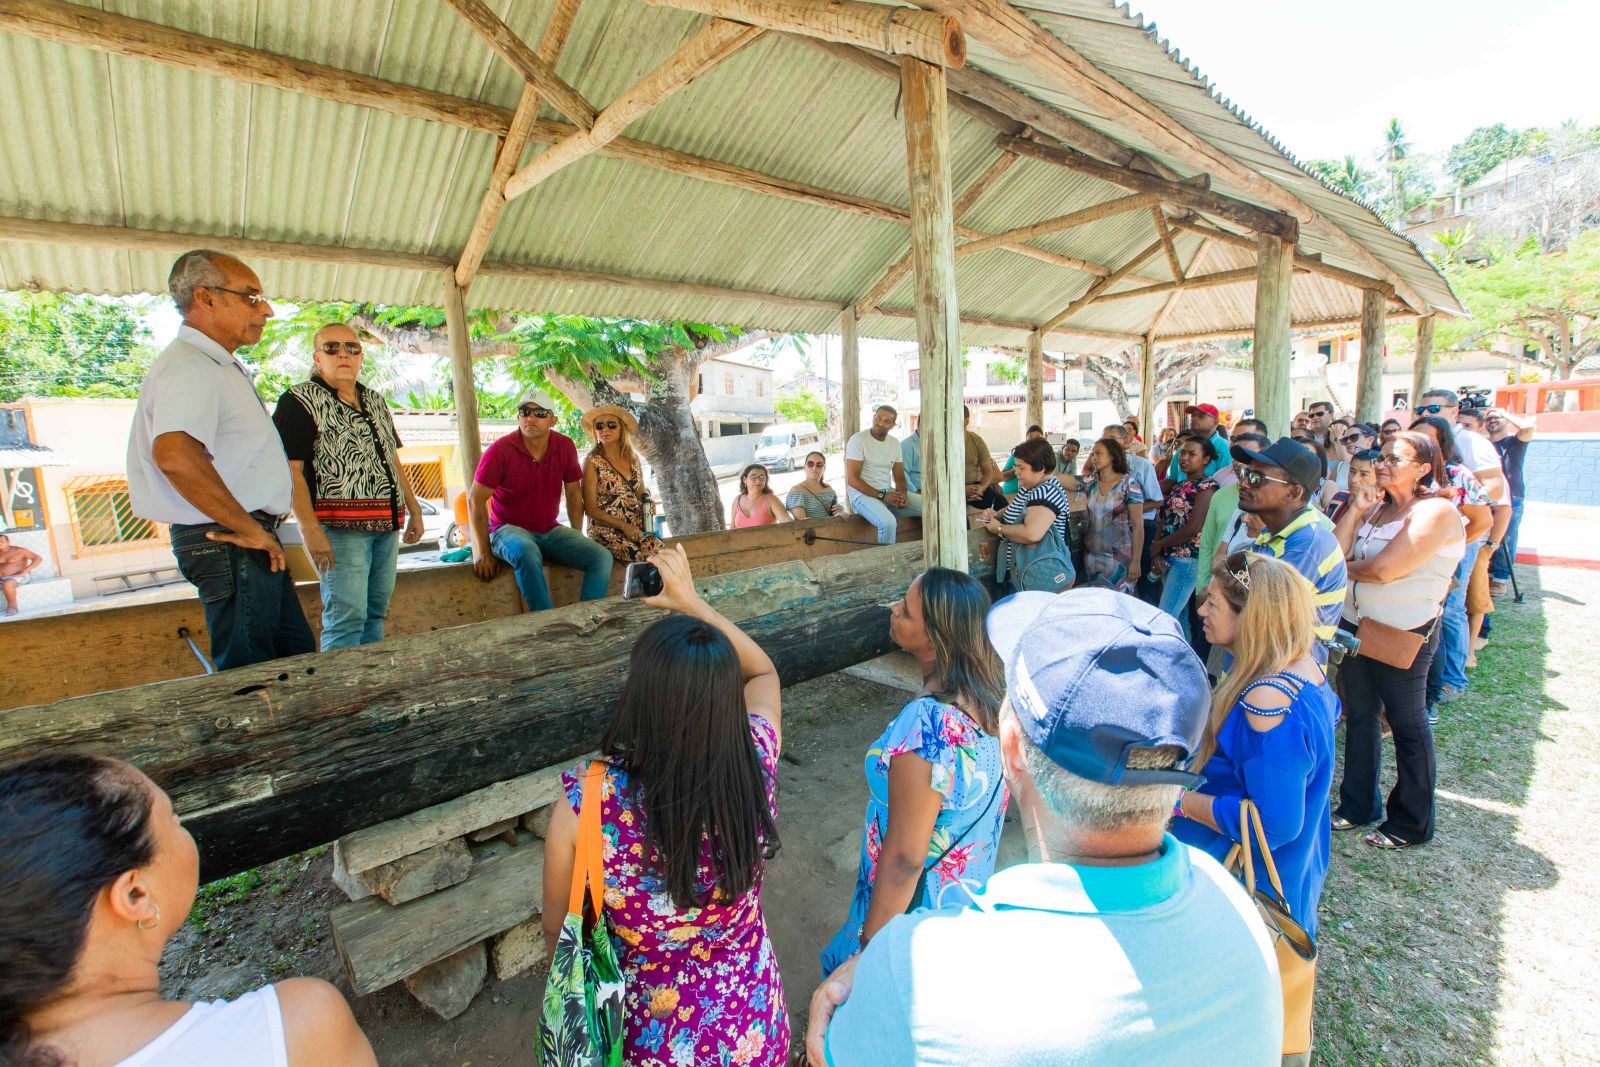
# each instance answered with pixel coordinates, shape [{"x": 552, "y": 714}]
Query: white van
[{"x": 783, "y": 445}]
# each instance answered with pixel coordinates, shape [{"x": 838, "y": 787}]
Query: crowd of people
[{"x": 1158, "y": 686}]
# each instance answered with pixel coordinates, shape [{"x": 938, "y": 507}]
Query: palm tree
[{"x": 1396, "y": 147}]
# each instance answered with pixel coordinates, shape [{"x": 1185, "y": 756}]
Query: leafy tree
[
  {"x": 61, "y": 344},
  {"x": 801, "y": 405},
  {"x": 1557, "y": 199},
  {"x": 1174, "y": 366},
  {"x": 1550, "y": 301},
  {"x": 1346, "y": 175},
  {"x": 1484, "y": 149}
]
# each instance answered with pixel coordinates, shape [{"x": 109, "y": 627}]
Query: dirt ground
[{"x": 1483, "y": 947}]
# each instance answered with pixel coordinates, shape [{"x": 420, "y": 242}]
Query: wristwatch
[{"x": 882, "y": 493}]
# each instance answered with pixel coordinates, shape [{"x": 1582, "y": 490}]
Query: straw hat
[{"x": 623, "y": 415}]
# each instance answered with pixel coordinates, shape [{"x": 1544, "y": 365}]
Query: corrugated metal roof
[{"x": 109, "y": 140}]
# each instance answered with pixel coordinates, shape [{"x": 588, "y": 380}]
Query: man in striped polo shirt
[{"x": 1279, "y": 485}]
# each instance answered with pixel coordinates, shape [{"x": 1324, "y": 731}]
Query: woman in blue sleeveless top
[
  {"x": 936, "y": 767},
  {"x": 1270, "y": 739}
]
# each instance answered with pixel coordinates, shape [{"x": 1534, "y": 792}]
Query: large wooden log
[
  {"x": 138, "y": 644},
  {"x": 469, "y": 443},
  {"x": 849, "y": 374},
  {"x": 897, "y": 31},
  {"x": 266, "y": 760},
  {"x": 1369, "y": 372},
  {"x": 1035, "y": 415},
  {"x": 1422, "y": 360},
  {"x": 1270, "y": 355}
]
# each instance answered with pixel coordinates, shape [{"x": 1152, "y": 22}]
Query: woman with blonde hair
[
  {"x": 614, "y": 496},
  {"x": 937, "y": 796},
  {"x": 1270, "y": 738}
]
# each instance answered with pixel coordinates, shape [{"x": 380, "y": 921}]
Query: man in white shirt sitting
[
  {"x": 875, "y": 476},
  {"x": 205, "y": 458}
]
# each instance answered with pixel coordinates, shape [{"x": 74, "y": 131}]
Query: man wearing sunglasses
[
  {"x": 515, "y": 502},
  {"x": 1278, "y": 484},
  {"x": 205, "y": 458}
]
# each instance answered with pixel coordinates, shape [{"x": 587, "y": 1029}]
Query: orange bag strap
[{"x": 588, "y": 865}]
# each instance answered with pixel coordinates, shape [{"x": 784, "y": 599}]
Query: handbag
[
  {"x": 1044, "y": 567},
  {"x": 583, "y": 997},
  {"x": 1296, "y": 952},
  {"x": 1389, "y": 644},
  {"x": 922, "y": 879}
]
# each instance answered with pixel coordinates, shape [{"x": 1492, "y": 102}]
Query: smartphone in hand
[{"x": 641, "y": 580}]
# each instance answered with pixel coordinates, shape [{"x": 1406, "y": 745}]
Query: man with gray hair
[
  {"x": 204, "y": 457},
  {"x": 1089, "y": 953}
]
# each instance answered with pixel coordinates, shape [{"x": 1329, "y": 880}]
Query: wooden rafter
[
  {"x": 1001, "y": 26},
  {"x": 1172, "y": 301},
  {"x": 535, "y": 70},
  {"x": 1016, "y": 325},
  {"x": 715, "y": 41},
  {"x": 1082, "y": 217},
  {"x": 1199, "y": 281},
  {"x": 1239, "y": 212},
  {"x": 1340, "y": 323},
  {"x": 125, "y": 238},
  {"x": 1303, "y": 261},
  {"x": 516, "y": 139},
  {"x": 1166, "y": 243},
  {"x": 1098, "y": 288},
  {"x": 898, "y": 31}
]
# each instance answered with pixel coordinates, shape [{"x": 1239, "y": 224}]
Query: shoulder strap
[
  {"x": 588, "y": 865},
  {"x": 1250, "y": 827},
  {"x": 994, "y": 795}
]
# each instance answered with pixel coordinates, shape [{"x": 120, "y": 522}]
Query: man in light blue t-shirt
[{"x": 1118, "y": 944}]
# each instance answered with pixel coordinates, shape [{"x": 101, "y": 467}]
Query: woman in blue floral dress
[
  {"x": 688, "y": 823},
  {"x": 937, "y": 766}
]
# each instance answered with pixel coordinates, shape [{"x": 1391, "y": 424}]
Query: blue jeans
[
  {"x": 527, "y": 551},
  {"x": 881, "y": 515},
  {"x": 1500, "y": 564},
  {"x": 1450, "y": 664},
  {"x": 1177, "y": 585},
  {"x": 355, "y": 593},
  {"x": 253, "y": 614}
]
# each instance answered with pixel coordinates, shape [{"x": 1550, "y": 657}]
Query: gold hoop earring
[{"x": 153, "y": 921}]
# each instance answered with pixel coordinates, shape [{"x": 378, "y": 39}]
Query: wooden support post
[
  {"x": 849, "y": 374},
  {"x": 1147, "y": 387},
  {"x": 1369, "y": 373},
  {"x": 1275, "y": 266},
  {"x": 468, "y": 444},
  {"x": 1422, "y": 362},
  {"x": 1035, "y": 379},
  {"x": 933, "y": 262}
]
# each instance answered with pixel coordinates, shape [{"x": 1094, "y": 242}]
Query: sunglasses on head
[
  {"x": 332, "y": 348},
  {"x": 1429, "y": 409},
  {"x": 1253, "y": 478},
  {"x": 611, "y": 424},
  {"x": 535, "y": 412}
]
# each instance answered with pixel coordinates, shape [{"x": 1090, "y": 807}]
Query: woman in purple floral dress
[
  {"x": 688, "y": 819},
  {"x": 937, "y": 765}
]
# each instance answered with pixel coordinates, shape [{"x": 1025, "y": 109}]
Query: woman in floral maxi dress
[
  {"x": 940, "y": 850},
  {"x": 613, "y": 487},
  {"x": 688, "y": 813}
]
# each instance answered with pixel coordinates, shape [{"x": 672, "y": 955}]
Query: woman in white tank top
[
  {"x": 1402, "y": 543},
  {"x": 96, "y": 875}
]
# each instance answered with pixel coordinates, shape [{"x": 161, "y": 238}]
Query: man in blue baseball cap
[{"x": 1117, "y": 944}]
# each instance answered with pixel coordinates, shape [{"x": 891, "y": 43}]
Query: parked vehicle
[{"x": 783, "y": 446}]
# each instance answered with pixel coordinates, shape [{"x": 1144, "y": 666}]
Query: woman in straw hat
[{"x": 613, "y": 489}]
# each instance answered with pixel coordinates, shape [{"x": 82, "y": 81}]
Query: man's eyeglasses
[
  {"x": 253, "y": 298},
  {"x": 529, "y": 411},
  {"x": 1429, "y": 409},
  {"x": 332, "y": 348},
  {"x": 611, "y": 425},
  {"x": 1253, "y": 478}
]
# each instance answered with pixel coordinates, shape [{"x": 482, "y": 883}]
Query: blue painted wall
[{"x": 1563, "y": 472}]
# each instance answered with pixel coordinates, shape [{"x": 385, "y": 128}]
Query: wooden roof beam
[
  {"x": 511, "y": 148},
  {"x": 1199, "y": 281},
  {"x": 1166, "y": 243},
  {"x": 898, "y": 31},
  {"x": 1311, "y": 263},
  {"x": 1094, "y": 213},
  {"x": 1014, "y": 325},
  {"x": 1001, "y": 26},
  {"x": 133, "y": 240},
  {"x": 717, "y": 40},
  {"x": 118, "y": 35},
  {"x": 1239, "y": 212},
  {"x": 1171, "y": 302},
  {"x": 1302, "y": 326},
  {"x": 1094, "y": 291},
  {"x": 535, "y": 70}
]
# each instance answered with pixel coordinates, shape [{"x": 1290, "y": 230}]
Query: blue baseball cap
[{"x": 1093, "y": 674}]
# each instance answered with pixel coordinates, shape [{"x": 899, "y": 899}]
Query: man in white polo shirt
[
  {"x": 205, "y": 458},
  {"x": 875, "y": 476}
]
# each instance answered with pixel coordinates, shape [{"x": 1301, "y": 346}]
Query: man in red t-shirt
[{"x": 515, "y": 500}]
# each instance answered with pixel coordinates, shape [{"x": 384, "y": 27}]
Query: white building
[{"x": 730, "y": 399}]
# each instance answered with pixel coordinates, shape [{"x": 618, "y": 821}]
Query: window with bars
[{"x": 103, "y": 519}]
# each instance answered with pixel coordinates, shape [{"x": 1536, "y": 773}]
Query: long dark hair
[
  {"x": 682, "y": 733},
  {"x": 1447, "y": 436},
  {"x": 1118, "y": 454},
  {"x": 69, "y": 826},
  {"x": 954, "y": 609}
]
